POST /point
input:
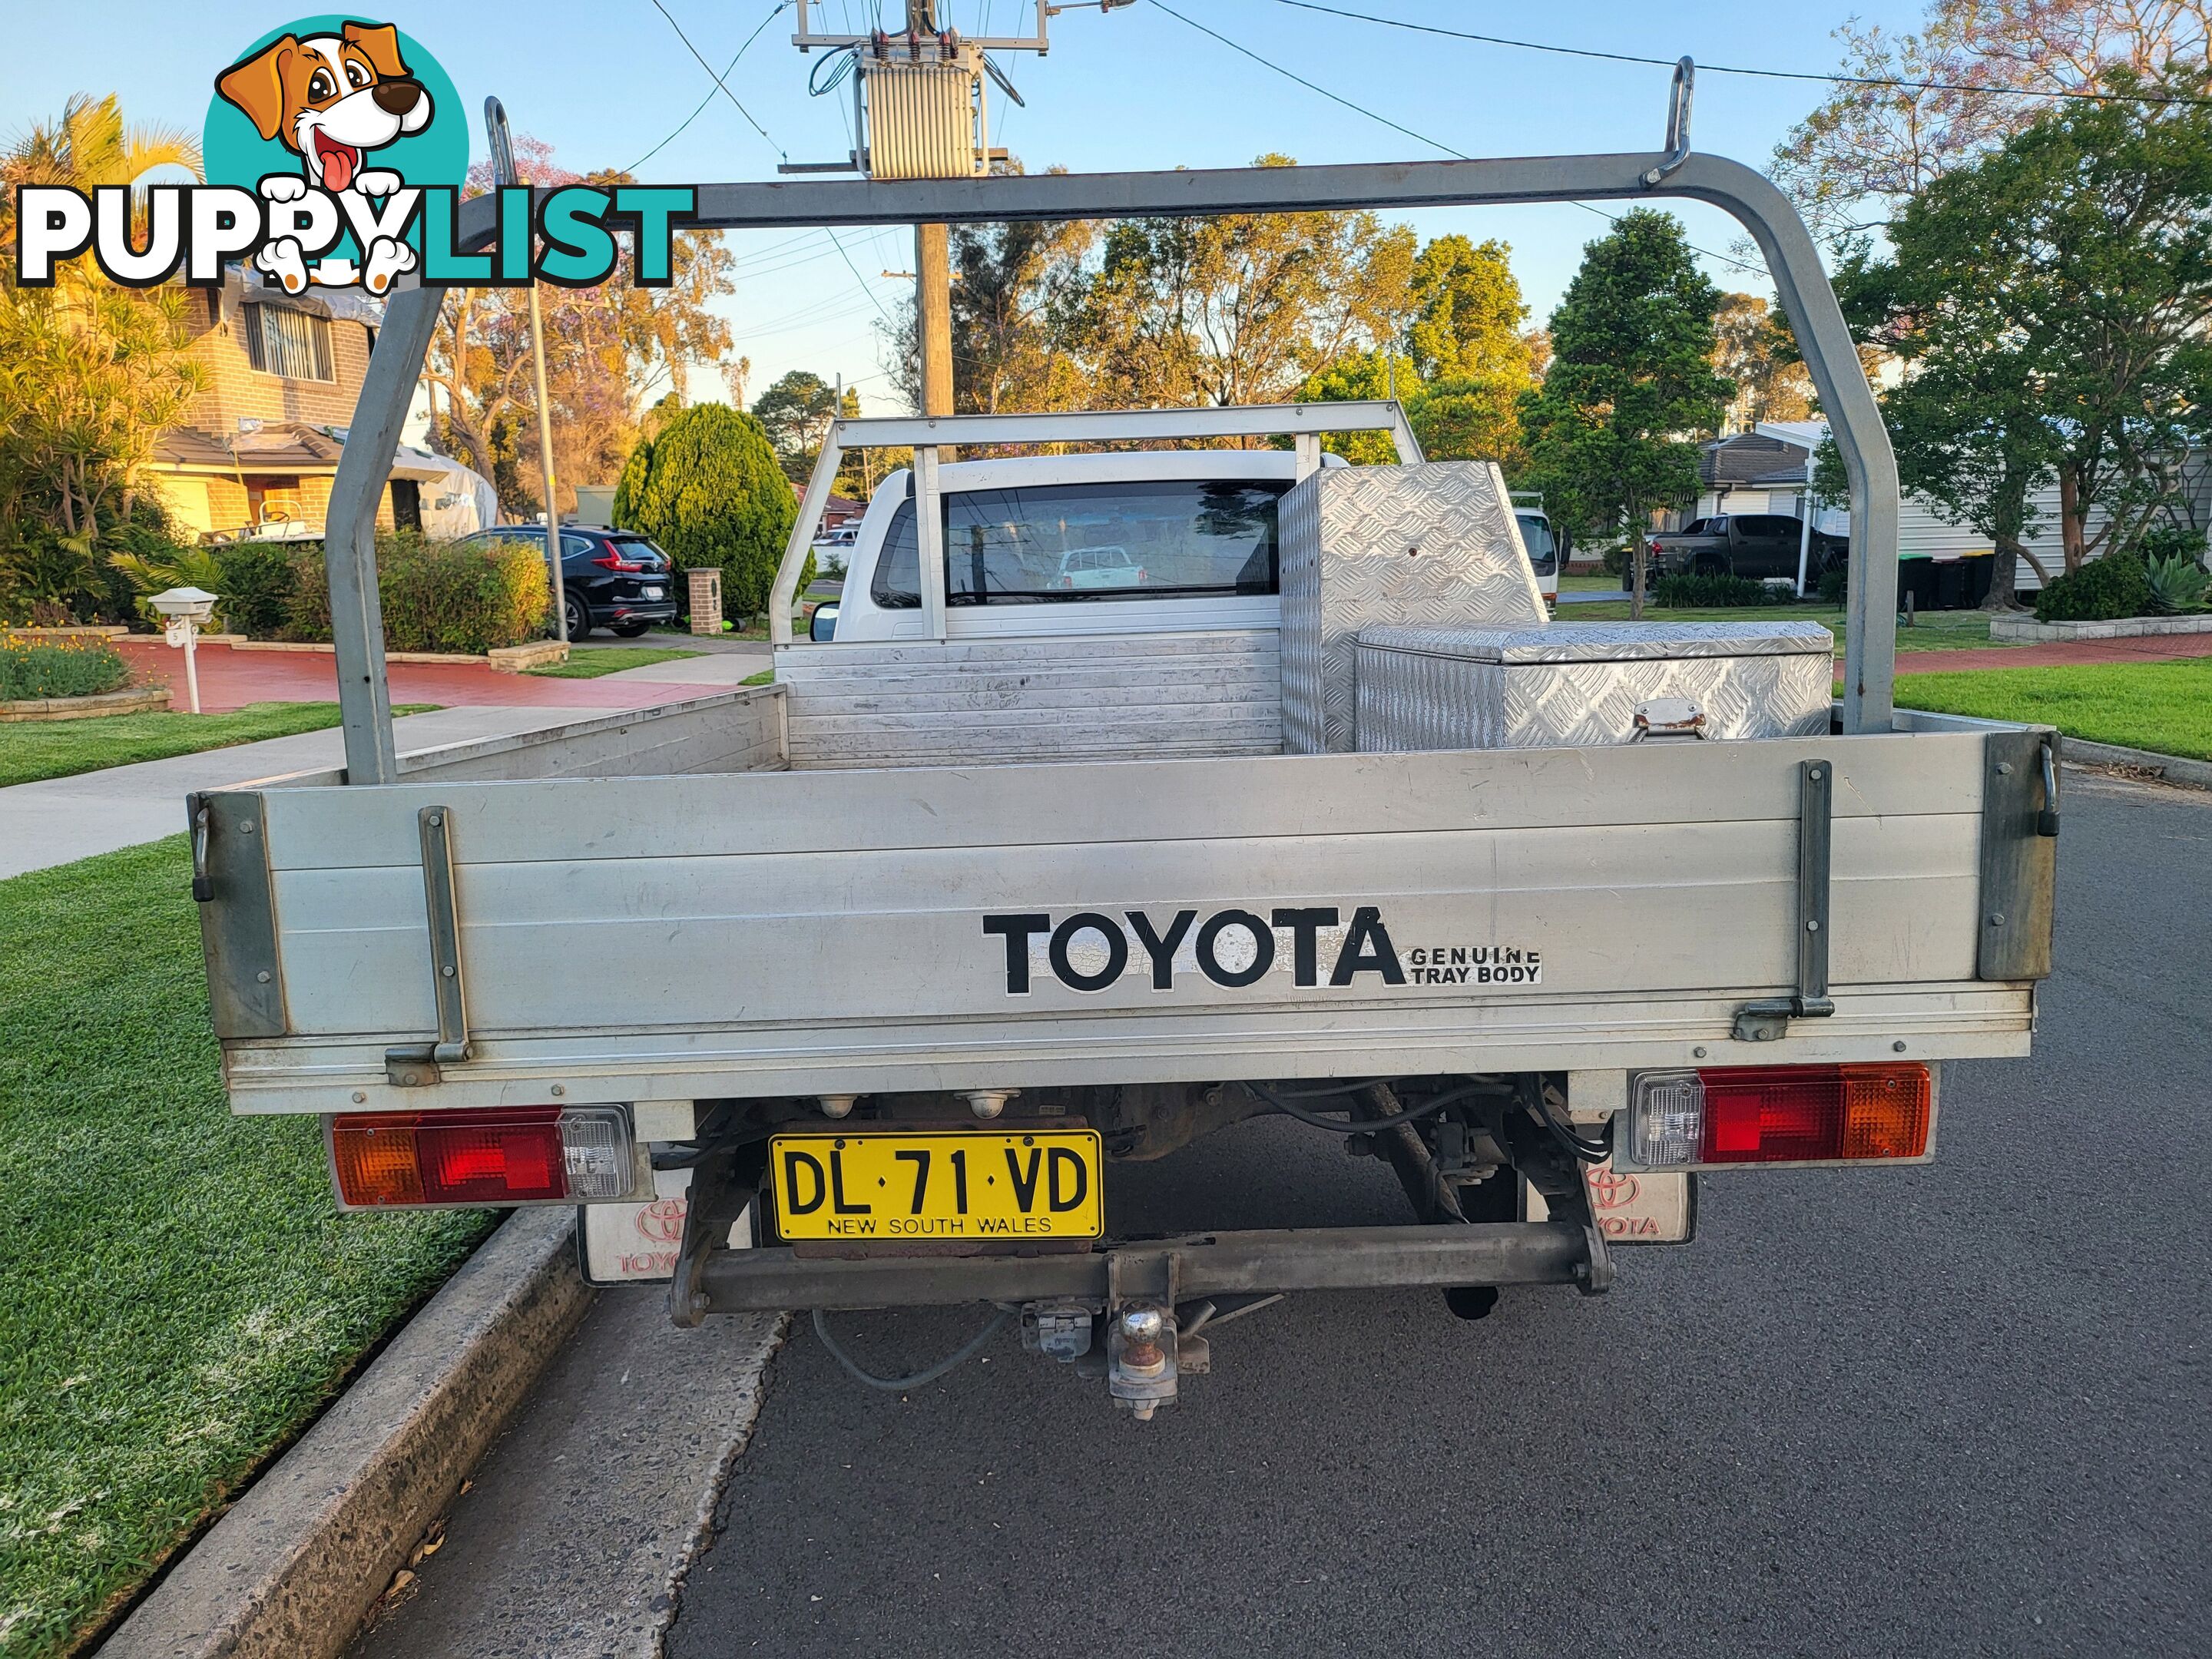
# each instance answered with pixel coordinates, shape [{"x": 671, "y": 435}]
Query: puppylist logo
[{"x": 336, "y": 149}]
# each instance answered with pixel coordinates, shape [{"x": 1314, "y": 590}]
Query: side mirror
[{"x": 823, "y": 628}]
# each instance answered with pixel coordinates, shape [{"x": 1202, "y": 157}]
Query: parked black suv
[{"x": 614, "y": 579}]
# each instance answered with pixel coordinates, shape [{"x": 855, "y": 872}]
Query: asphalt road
[{"x": 1962, "y": 1409}]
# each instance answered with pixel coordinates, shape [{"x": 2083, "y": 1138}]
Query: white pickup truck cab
[
  {"x": 1144, "y": 542},
  {"x": 1064, "y": 544}
]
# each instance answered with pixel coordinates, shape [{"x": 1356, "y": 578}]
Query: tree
[
  {"x": 608, "y": 348},
  {"x": 1241, "y": 308},
  {"x": 1469, "y": 417},
  {"x": 1015, "y": 289},
  {"x": 1631, "y": 378},
  {"x": 710, "y": 490},
  {"x": 91, "y": 372},
  {"x": 1756, "y": 352},
  {"x": 1468, "y": 325},
  {"x": 1856, "y": 160},
  {"x": 796, "y": 413},
  {"x": 2052, "y": 303}
]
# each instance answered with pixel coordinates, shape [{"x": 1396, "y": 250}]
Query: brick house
[{"x": 261, "y": 444}]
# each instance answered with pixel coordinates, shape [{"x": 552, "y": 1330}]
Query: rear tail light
[
  {"x": 1780, "y": 1115},
  {"x": 509, "y": 1155}
]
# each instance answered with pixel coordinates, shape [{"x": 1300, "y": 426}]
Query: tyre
[
  {"x": 628, "y": 630},
  {"x": 579, "y": 617}
]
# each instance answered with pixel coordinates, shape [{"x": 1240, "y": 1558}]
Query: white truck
[{"x": 862, "y": 999}]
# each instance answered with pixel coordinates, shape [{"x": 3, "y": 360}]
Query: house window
[{"x": 288, "y": 342}]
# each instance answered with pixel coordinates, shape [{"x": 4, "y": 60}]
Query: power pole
[
  {"x": 919, "y": 112},
  {"x": 932, "y": 292}
]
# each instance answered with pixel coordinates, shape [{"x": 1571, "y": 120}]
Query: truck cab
[
  {"x": 1075, "y": 545},
  {"x": 1129, "y": 543}
]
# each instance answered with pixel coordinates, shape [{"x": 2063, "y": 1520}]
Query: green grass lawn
[
  {"x": 178, "y": 1294},
  {"x": 592, "y": 661},
  {"x": 763, "y": 677},
  {"x": 32, "y": 750},
  {"x": 2162, "y": 706},
  {"x": 1932, "y": 630}
]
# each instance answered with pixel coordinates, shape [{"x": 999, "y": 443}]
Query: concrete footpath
[{"x": 63, "y": 819}]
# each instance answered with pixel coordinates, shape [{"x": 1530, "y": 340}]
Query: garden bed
[
  {"x": 139, "y": 700},
  {"x": 2023, "y": 630}
]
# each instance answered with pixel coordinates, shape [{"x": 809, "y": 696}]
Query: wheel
[
  {"x": 580, "y": 617},
  {"x": 628, "y": 630}
]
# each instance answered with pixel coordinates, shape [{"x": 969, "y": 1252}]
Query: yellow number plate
[{"x": 960, "y": 1186}]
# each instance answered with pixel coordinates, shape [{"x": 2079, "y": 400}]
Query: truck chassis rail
[{"x": 1196, "y": 1265}]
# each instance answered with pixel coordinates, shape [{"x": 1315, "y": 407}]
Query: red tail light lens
[
  {"x": 1781, "y": 1114},
  {"x": 615, "y": 562},
  {"x": 515, "y": 1155}
]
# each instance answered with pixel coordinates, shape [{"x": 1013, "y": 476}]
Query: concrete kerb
[
  {"x": 296, "y": 1565},
  {"x": 2173, "y": 769}
]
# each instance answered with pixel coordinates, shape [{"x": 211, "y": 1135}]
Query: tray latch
[
  {"x": 416, "y": 1065},
  {"x": 1768, "y": 1021}
]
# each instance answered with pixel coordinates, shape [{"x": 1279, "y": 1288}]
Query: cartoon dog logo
[{"x": 331, "y": 99}]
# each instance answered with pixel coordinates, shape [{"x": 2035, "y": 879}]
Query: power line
[
  {"x": 779, "y": 7},
  {"x": 1730, "y": 69},
  {"x": 1420, "y": 137},
  {"x": 718, "y": 80},
  {"x": 764, "y": 132}
]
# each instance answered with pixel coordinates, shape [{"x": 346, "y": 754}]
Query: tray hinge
[
  {"x": 416, "y": 1065},
  {"x": 1768, "y": 1021}
]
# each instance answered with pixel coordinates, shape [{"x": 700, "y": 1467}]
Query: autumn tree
[
  {"x": 1612, "y": 432},
  {"x": 609, "y": 350},
  {"x": 1921, "y": 104}
]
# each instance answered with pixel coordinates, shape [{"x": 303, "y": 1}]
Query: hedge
[
  {"x": 710, "y": 491},
  {"x": 437, "y": 596},
  {"x": 1709, "y": 593}
]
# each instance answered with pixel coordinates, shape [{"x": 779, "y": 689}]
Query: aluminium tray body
[
  {"x": 1577, "y": 684},
  {"x": 1435, "y": 545}
]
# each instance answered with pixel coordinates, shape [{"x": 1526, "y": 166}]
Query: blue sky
[{"x": 604, "y": 82}]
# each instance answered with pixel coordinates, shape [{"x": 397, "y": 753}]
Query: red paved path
[
  {"x": 2155, "y": 647},
  {"x": 231, "y": 679}
]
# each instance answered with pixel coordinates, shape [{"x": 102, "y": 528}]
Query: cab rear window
[{"x": 1061, "y": 544}]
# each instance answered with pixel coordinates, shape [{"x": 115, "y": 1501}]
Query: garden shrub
[
  {"x": 1835, "y": 585},
  {"x": 257, "y": 583},
  {"x": 78, "y": 667},
  {"x": 709, "y": 489},
  {"x": 2103, "y": 590},
  {"x": 2169, "y": 542},
  {"x": 1708, "y": 592},
  {"x": 436, "y": 596}
]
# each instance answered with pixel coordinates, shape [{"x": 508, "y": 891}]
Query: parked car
[
  {"x": 1754, "y": 545},
  {"x": 612, "y": 578}
]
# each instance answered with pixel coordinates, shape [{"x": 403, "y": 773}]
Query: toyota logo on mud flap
[
  {"x": 1610, "y": 1190},
  {"x": 662, "y": 1220}
]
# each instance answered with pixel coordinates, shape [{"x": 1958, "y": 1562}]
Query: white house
[{"x": 1769, "y": 470}]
